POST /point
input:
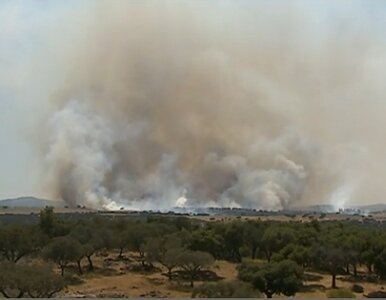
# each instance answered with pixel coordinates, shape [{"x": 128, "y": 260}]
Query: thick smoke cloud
[{"x": 215, "y": 104}]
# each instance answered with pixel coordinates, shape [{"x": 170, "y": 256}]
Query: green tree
[
  {"x": 137, "y": 236},
  {"x": 91, "y": 240},
  {"x": 47, "y": 220},
  {"x": 297, "y": 253},
  {"x": 352, "y": 245},
  {"x": 275, "y": 238},
  {"x": 120, "y": 236},
  {"x": 206, "y": 240},
  {"x": 372, "y": 247},
  {"x": 252, "y": 236},
  {"x": 63, "y": 251},
  {"x": 233, "y": 240},
  {"x": 192, "y": 262},
  {"x": 38, "y": 281},
  {"x": 13, "y": 282},
  {"x": 165, "y": 251},
  {"x": 380, "y": 264},
  {"x": 17, "y": 241},
  {"x": 284, "y": 277},
  {"x": 330, "y": 258},
  {"x": 42, "y": 282}
]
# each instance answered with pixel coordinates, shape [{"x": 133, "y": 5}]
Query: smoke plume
[{"x": 192, "y": 103}]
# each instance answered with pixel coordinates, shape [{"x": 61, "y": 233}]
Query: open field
[{"x": 117, "y": 280}]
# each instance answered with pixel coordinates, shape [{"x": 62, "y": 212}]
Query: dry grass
[{"x": 119, "y": 281}]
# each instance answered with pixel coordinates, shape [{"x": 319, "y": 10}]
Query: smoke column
[{"x": 190, "y": 103}]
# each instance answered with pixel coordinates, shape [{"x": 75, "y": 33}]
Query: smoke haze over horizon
[{"x": 253, "y": 104}]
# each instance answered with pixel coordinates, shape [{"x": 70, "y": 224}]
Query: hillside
[{"x": 30, "y": 202}]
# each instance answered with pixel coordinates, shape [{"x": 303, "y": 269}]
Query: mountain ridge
[{"x": 30, "y": 201}]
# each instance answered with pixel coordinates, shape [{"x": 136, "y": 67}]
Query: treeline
[{"x": 271, "y": 256}]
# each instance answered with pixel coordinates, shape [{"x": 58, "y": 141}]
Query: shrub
[
  {"x": 225, "y": 290},
  {"x": 357, "y": 288},
  {"x": 340, "y": 293},
  {"x": 377, "y": 294}
]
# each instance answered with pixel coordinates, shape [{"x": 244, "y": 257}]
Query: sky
[
  {"x": 22, "y": 27},
  {"x": 25, "y": 101}
]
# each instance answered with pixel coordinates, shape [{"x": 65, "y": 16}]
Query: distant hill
[{"x": 30, "y": 202}]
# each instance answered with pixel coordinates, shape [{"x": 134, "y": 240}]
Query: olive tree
[
  {"x": 91, "y": 240},
  {"x": 17, "y": 242},
  {"x": 63, "y": 251},
  {"x": 42, "y": 282},
  {"x": 285, "y": 277},
  {"x": 13, "y": 282},
  {"x": 164, "y": 251},
  {"x": 38, "y": 281},
  {"x": 192, "y": 262}
]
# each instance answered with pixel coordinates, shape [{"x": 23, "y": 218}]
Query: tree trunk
[
  {"x": 269, "y": 295},
  {"x": 120, "y": 252},
  {"x": 333, "y": 283},
  {"x": 268, "y": 255},
  {"x": 170, "y": 273},
  {"x": 79, "y": 267},
  {"x": 192, "y": 280},
  {"x": 90, "y": 264},
  {"x": 236, "y": 255},
  {"x": 62, "y": 270},
  {"x": 355, "y": 270},
  {"x": 369, "y": 268},
  {"x": 348, "y": 269},
  {"x": 253, "y": 256}
]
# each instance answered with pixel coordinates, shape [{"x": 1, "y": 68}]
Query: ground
[
  {"x": 116, "y": 278},
  {"x": 120, "y": 280}
]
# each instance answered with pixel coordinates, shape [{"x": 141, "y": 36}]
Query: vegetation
[
  {"x": 272, "y": 257},
  {"x": 283, "y": 277},
  {"x": 35, "y": 281},
  {"x": 340, "y": 293},
  {"x": 235, "y": 289},
  {"x": 192, "y": 262},
  {"x": 63, "y": 251}
]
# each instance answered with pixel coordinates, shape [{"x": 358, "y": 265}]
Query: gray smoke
[{"x": 192, "y": 103}]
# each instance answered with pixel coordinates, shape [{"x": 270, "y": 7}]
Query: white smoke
[
  {"x": 199, "y": 104},
  {"x": 83, "y": 142}
]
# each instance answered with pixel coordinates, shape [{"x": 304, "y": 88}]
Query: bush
[
  {"x": 225, "y": 290},
  {"x": 357, "y": 288},
  {"x": 245, "y": 252},
  {"x": 340, "y": 293},
  {"x": 377, "y": 294}
]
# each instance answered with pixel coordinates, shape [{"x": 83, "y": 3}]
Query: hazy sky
[{"x": 24, "y": 27}]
